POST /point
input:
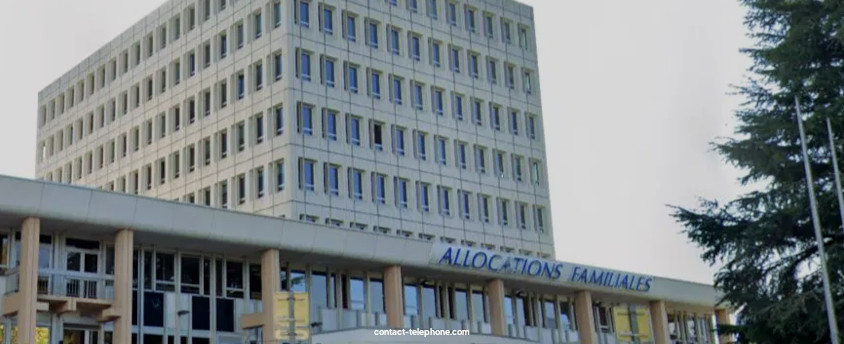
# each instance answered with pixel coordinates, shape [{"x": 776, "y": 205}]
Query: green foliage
[{"x": 764, "y": 239}]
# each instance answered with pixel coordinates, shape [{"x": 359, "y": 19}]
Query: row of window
[
  {"x": 168, "y": 32},
  {"x": 471, "y": 19},
  {"x": 421, "y": 97},
  {"x": 419, "y": 144},
  {"x": 256, "y": 26}
]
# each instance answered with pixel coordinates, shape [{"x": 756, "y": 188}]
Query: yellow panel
[
  {"x": 301, "y": 316},
  {"x": 643, "y": 321},
  {"x": 42, "y": 335},
  {"x": 622, "y": 324}
]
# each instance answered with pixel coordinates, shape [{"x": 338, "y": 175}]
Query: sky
[{"x": 633, "y": 92}]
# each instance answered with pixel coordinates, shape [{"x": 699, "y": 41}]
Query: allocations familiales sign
[{"x": 505, "y": 263}]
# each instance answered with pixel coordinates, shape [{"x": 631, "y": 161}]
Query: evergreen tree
[{"x": 764, "y": 239}]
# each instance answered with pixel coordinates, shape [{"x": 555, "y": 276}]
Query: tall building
[
  {"x": 417, "y": 118},
  {"x": 287, "y": 170}
]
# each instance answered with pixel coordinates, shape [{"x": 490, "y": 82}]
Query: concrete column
[
  {"x": 585, "y": 318},
  {"x": 659, "y": 320},
  {"x": 722, "y": 317},
  {"x": 393, "y": 301},
  {"x": 123, "y": 245},
  {"x": 497, "y": 318},
  {"x": 270, "y": 284},
  {"x": 28, "y": 279}
]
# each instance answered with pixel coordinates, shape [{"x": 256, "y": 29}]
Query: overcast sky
[{"x": 632, "y": 94}]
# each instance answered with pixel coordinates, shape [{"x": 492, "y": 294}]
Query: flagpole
[
  {"x": 830, "y": 308},
  {"x": 835, "y": 169}
]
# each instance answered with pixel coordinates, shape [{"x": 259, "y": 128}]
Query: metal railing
[{"x": 66, "y": 283}]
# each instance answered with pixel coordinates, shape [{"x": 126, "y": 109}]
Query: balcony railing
[{"x": 66, "y": 283}]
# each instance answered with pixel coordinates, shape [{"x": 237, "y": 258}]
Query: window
[
  {"x": 422, "y": 195},
  {"x": 257, "y": 21},
  {"x": 206, "y": 54},
  {"x": 444, "y": 195},
  {"x": 442, "y": 158},
  {"x": 191, "y": 158},
  {"x": 304, "y": 13},
  {"x": 401, "y": 192},
  {"x": 452, "y": 13},
  {"x": 332, "y": 178},
  {"x": 330, "y": 125},
  {"x": 503, "y": 216},
  {"x": 435, "y": 53},
  {"x": 259, "y": 128},
  {"x": 394, "y": 41},
  {"x": 488, "y": 25},
  {"x": 470, "y": 19},
  {"x": 377, "y": 135},
  {"x": 224, "y": 145},
  {"x": 305, "y": 123},
  {"x": 531, "y": 127},
  {"x": 327, "y": 20},
  {"x": 259, "y": 76},
  {"x": 277, "y": 66},
  {"x": 305, "y": 65},
  {"x": 539, "y": 219},
  {"x": 375, "y": 84},
  {"x": 241, "y": 35},
  {"x": 480, "y": 159},
  {"x": 458, "y": 107},
  {"x": 206, "y": 148},
  {"x": 398, "y": 140},
  {"x": 491, "y": 71},
  {"x": 353, "y": 130},
  {"x": 352, "y": 78},
  {"x": 465, "y": 207},
  {"x": 517, "y": 168},
  {"x": 223, "y": 45},
  {"x": 523, "y": 38},
  {"x": 279, "y": 120},
  {"x": 438, "y": 101},
  {"x": 521, "y": 211},
  {"x": 505, "y": 31},
  {"x": 351, "y": 33},
  {"x": 432, "y": 9},
  {"x": 535, "y": 172},
  {"x": 396, "y": 90},
  {"x": 223, "y": 94},
  {"x": 373, "y": 35},
  {"x": 241, "y": 85},
  {"x": 454, "y": 60},
  {"x": 191, "y": 63},
  {"x": 328, "y": 72},
  {"x": 498, "y": 163},
  {"x": 514, "y": 122},
  {"x": 527, "y": 81},
  {"x": 306, "y": 174},
  {"x": 476, "y": 112},
  {"x": 413, "y": 5},
  {"x": 356, "y": 184},
  {"x": 379, "y": 188},
  {"x": 276, "y": 13},
  {"x": 414, "y": 47},
  {"x": 461, "y": 154},
  {"x": 191, "y": 110},
  {"x": 494, "y": 117},
  {"x": 279, "y": 175},
  {"x": 417, "y": 96},
  {"x": 420, "y": 145},
  {"x": 259, "y": 181},
  {"x": 241, "y": 189},
  {"x": 473, "y": 65},
  {"x": 509, "y": 75}
]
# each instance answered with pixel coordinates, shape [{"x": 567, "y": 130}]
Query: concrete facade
[
  {"x": 413, "y": 118},
  {"x": 185, "y": 256}
]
